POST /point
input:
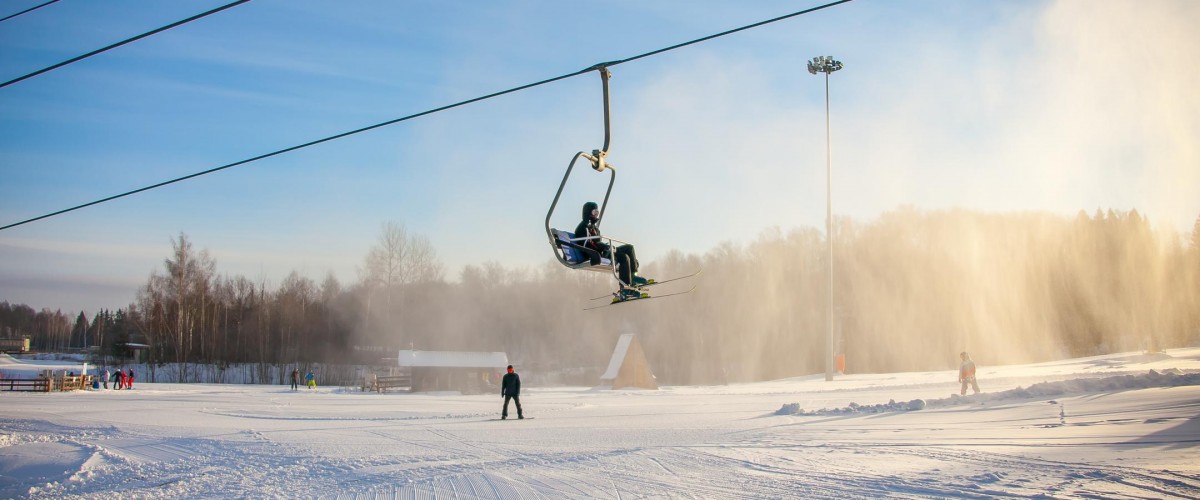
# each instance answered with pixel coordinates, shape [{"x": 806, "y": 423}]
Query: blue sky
[{"x": 992, "y": 106}]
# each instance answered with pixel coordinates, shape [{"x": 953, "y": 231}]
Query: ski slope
[{"x": 1119, "y": 426}]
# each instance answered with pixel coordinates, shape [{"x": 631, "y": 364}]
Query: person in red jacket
[
  {"x": 129, "y": 380},
  {"x": 510, "y": 388},
  {"x": 966, "y": 374}
]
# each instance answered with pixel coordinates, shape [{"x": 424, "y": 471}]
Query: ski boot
[{"x": 625, "y": 294}]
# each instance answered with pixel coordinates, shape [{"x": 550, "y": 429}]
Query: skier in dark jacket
[
  {"x": 295, "y": 378},
  {"x": 510, "y": 388},
  {"x": 625, "y": 258}
]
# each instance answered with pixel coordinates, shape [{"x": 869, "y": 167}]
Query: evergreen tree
[
  {"x": 79, "y": 333},
  {"x": 99, "y": 327},
  {"x": 119, "y": 335}
]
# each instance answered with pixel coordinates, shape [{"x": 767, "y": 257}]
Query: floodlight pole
[{"x": 826, "y": 64}]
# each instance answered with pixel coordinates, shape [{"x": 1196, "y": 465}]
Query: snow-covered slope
[{"x": 1104, "y": 426}]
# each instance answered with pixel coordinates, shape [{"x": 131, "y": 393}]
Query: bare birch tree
[
  {"x": 186, "y": 288},
  {"x": 397, "y": 261}
]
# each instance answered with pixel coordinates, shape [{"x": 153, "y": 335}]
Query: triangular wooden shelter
[{"x": 628, "y": 367}]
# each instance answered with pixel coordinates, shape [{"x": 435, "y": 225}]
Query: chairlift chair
[{"x": 572, "y": 251}]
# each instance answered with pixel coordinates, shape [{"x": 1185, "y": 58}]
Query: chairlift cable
[
  {"x": 415, "y": 115},
  {"x": 123, "y": 42},
  {"x": 723, "y": 33},
  {"x": 31, "y": 9}
]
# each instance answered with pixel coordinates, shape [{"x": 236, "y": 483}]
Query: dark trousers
[
  {"x": 625, "y": 260},
  {"x": 295, "y": 384},
  {"x": 627, "y": 263},
  {"x": 515, "y": 399}
]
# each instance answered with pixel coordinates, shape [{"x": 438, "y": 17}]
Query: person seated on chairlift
[{"x": 625, "y": 258}]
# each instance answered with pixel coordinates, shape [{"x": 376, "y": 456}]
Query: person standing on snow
[
  {"x": 107, "y": 375},
  {"x": 625, "y": 257},
  {"x": 310, "y": 380},
  {"x": 510, "y": 388},
  {"x": 966, "y": 374},
  {"x": 295, "y": 378},
  {"x": 129, "y": 381}
]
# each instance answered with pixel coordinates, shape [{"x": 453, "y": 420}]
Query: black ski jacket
[
  {"x": 587, "y": 227},
  {"x": 511, "y": 385}
]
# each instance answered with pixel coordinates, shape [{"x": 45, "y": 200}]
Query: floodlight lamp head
[{"x": 823, "y": 64}]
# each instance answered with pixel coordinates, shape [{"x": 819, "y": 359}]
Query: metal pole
[
  {"x": 829, "y": 236},
  {"x": 827, "y": 65}
]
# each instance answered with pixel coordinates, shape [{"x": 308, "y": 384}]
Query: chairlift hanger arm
[
  {"x": 599, "y": 160},
  {"x": 598, "y": 163}
]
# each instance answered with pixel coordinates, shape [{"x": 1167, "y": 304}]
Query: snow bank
[{"x": 1167, "y": 378}]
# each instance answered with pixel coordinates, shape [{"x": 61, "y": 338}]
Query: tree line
[{"x": 911, "y": 289}]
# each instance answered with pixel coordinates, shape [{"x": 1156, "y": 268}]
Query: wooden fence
[
  {"x": 25, "y": 385},
  {"x": 381, "y": 383},
  {"x": 48, "y": 383}
]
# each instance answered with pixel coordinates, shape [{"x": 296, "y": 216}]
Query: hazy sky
[{"x": 993, "y": 106}]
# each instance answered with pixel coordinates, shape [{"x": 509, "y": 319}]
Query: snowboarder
[
  {"x": 310, "y": 380},
  {"x": 510, "y": 388},
  {"x": 295, "y": 378},
  {"x": 625, "y": 258},
  {"x": 966, "y": 374}
]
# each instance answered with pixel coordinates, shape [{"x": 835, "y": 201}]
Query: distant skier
[
  {"x": 107, "y": 375},
  {"x": 129, "y": 380},
  {"x": 295, "y": 378},
  {"x": 966, "y": 374},
  {"x": 116, "y": 379},
  {"x": 310, "y": 380},
  {"x": 510, "y": 388}
]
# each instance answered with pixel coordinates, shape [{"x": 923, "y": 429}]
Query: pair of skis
[{"x": 617, "y": 298}]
